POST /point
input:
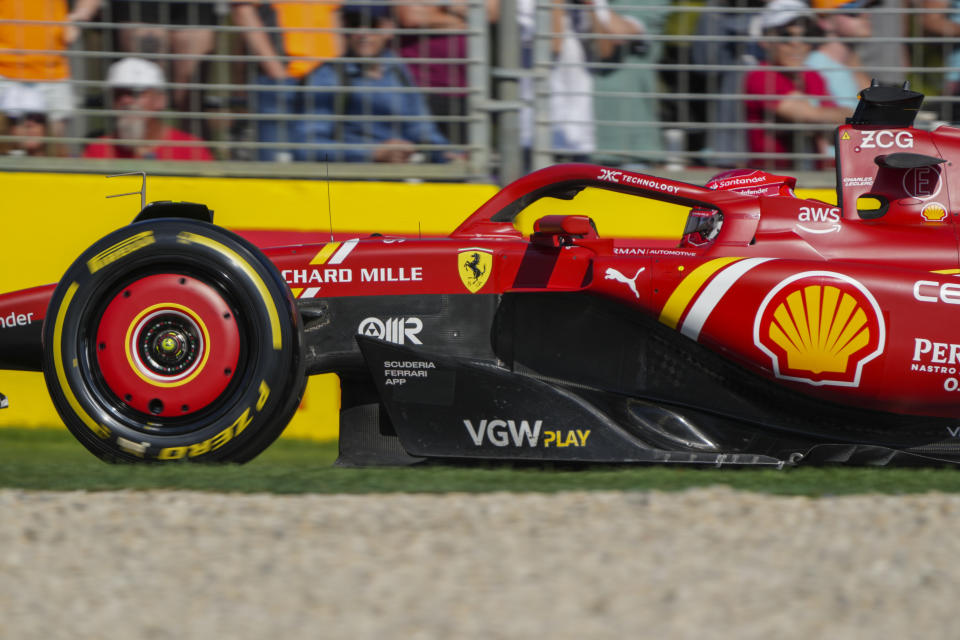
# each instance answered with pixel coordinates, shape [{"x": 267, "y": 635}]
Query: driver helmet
[{"x": 751, "y": 182}]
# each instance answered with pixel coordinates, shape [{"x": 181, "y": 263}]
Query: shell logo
[
  {"x": 934, "y": 212},
  {"x": 820, "y": 328}
]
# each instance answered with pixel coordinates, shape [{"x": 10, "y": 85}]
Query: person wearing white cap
[
  {"x": 26, "y": 113},
  {"x": 784, "y": 90},
  {"x": 137, "y": 89}
]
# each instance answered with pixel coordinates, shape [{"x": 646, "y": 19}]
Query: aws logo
[
  {"x": 820, "y": 328},
  {"x": 819, "y": 215}
]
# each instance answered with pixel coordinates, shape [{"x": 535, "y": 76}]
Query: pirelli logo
[{"x": 119, "y": 250}]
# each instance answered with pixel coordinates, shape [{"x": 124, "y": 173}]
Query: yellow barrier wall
[{"x": 49, "y": 219}]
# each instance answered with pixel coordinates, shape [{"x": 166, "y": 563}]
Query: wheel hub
[
  {"x": 170, "y": 345},
  {"x": 167, "y": 345}
]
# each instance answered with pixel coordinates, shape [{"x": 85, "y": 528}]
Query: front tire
[{"x": 173, "y": 339}]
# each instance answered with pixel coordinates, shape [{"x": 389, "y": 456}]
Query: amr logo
[{"x": 613, "y": 274}]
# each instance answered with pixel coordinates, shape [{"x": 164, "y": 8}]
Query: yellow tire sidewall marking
[
  {"x": 100, "y": 430},
  {"x": 275, "y": 329}
]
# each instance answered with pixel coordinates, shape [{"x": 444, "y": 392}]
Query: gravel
[{"x": 702, "y": 563}]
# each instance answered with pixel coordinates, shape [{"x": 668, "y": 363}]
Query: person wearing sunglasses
[
  {"x": 783, "y": 90},
  {"x": 837, "y": 59},
  {"x": 137, "y": 96},
  {"x": 26, "y": 114}
]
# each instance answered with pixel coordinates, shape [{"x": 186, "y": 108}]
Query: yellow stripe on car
[
  {"x": 324, "y": 254},
  {"x": 680, "y": 299}
]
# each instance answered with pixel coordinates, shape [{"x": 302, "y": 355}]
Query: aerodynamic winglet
[{"x": 907, "y": 161}]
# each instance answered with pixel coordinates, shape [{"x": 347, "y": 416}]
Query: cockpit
[{"x": 703, "y": 224}]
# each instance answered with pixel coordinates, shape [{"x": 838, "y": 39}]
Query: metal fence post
[
  {"x": 478, "y": 74},
  {"x": 542, "y": 62},
  {"x": 508, "y": 91}
]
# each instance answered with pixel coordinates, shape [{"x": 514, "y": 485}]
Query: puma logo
[{"x": 613, "y": 274}]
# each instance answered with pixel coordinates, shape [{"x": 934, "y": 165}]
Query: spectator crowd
[{"x": 761, "y": 83}]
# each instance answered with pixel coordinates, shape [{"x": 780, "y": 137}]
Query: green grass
[{"x": 53, "y": 460}]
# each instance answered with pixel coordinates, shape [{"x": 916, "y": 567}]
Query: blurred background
[{"x": 462, "y": 90}]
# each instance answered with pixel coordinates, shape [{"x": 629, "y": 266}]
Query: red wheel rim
[{"x": 167, "y": 345}]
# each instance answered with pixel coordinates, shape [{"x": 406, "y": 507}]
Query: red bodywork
[{"x": 854, "y": 306}]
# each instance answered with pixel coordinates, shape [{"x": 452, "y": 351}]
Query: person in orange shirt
[
  {"x": 287, "y": 58},
  {"x": 31, "y": 54}
]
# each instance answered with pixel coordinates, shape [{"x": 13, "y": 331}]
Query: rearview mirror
[{"x": 572, "y": 226}]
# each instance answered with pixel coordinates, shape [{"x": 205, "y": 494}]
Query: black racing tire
[{"x": 173, "y": 339}]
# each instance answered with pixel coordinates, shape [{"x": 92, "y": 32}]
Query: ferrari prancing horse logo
[{"x": 475, "y": 264}]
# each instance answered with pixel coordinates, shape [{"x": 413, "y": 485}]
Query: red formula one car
[{"x": 776, "y": 330}]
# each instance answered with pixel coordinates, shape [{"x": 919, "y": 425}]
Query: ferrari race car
[{"x": 776, "y": 331}]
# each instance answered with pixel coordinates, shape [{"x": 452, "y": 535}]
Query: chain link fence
[{"x": 476, "y": 90}]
